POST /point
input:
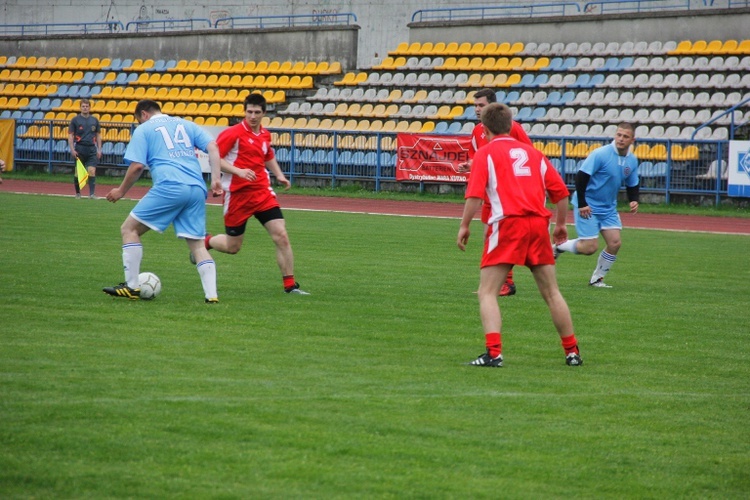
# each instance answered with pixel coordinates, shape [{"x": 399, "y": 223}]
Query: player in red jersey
[
  {"x": 482, "y": 98},
  {"x": 515, "y": 179},
  {"x": 247, "y": 157}
]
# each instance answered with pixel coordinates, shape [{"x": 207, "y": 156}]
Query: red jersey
[
  {"x": 514, "y": 179},
  {"x": 479, "y": 138},
  {"x": 243, "y": 148}
]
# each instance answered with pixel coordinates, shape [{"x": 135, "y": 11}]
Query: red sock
[
  {"x": 206, "y": 241},
  {"x": 288, "y": 281},
  {"x": 570, "y": 344},
  {"x": 509, "y": 279},
  {"x": 493, "y": 342}
]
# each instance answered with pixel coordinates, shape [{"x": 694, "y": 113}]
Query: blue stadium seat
[
  {"x": 582, "y": 81},
  {"x": 540, "y": 79},
  {"x": 625, "y": 63},
  {"x": 45, "y": 104},
  {"x": 344, "y": 158},
  {"x": 537, "y": 114},
  {"x": 567, "y": 97},
  {"x": 524, "y": 114},
  {"x": 552, "y": 99},
  {"x": 5, "y": 113},
  {"x": 526, "y": 81},
  {"x": 320, "y": 157},
  {"x": 114, "y": 65},
  {"x": 454, "y": 128},
  {"x": 568, "y": 63},
  {"x": 610, "y": 64},
  {"x": 511, "y": 97},
  {"x": 40, "y": 145},
  {"x": 597, "y": 79},
  {"x": 33, "y": 104},
  {"x": 554, "y": 65},
  {"x": 440, "y": 128}
]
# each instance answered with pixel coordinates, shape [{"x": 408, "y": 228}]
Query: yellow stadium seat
[
  {"x": 477, "y": 49},
  {"x": 389, "y": 126},
  {"x": 473, "y": 81},
  {"x": 728, "y": 47},
  {"x": 743, "y": 48},
  {"x": 714, "y": 47},
  {"x": 684, "y": 47},
  {"x": 400, "y": 49},
  {"x": 426, "y": 49},
  {"x": 490, "y": 49},
  {"x": 516, "y": 48},
  {"x": 699, "y": 47},
  {"x": 552, "y": 149},
  {"x": 464, "y": 49},
  {"x": 438, "y": 49},
  {"x": 181, "y": 66}
]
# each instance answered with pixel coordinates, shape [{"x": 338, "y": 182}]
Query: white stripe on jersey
[{"x": 496, "y": 207}]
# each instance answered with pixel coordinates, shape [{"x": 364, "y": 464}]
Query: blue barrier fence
[
  {"x": 327, "y": 19},
  {"x": 666, "y": 166},
  {"x": 168, "y": 25},
  {"x": 490, "y": 12},
  {"x": 61, "y": 28}
]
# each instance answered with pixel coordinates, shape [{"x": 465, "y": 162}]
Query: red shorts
[
  {"x": 522, "y": 241},
  {"x": 243, "y": 204}
]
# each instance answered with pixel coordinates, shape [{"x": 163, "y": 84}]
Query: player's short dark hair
[
  {"x": 86, "y": 100},
  {"x": 497, "y": 118},
  {"x": 255, "y": 100},
  {"x": 627, "y": 126},
  {"x": 147, "y": 105},
  {"x": 488, "y": 93}
]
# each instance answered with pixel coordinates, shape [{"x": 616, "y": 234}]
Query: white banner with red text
[{"x": 431, "y": 158}]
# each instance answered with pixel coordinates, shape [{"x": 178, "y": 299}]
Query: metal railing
[
  {"x": 61, "y": 28},
  {"x": 494, "y": 12},
  {"x": 667, "y": 167},
  {"x": 320, "y": 19},
  {"x": 619, "y": 6},
  {"x": 732, "y": 125},
  {"x": 164, "y": 25}
]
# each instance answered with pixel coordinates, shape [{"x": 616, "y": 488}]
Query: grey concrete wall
[
  {"x": 309, "y": 44},
  {"x": 669, "y": 25}
]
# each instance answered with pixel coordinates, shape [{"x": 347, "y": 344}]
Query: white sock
[
  {"x": 568, "y": 246},
  {"x": 207, "y": 271},
  {"x": 132, "y": 254},
  {"x": 603, "y": 265}
]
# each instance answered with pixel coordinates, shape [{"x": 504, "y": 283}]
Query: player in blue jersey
[
  {"x": 167, "y": 146},
  {"x": 595, "y": 201}
]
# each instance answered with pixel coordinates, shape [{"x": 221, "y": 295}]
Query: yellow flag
[{"x": 81, "y": 173}]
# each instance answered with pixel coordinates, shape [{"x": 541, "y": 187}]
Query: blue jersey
[
  {"x": 167, "y": 146},
  {"x": 608, "y": 171}
]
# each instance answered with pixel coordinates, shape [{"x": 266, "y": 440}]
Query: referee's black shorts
[{"x": 87, "y": 155}]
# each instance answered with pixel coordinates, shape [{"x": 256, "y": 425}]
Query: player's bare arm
[
  {"x": 273, "y": 167},
  {"x": 244, "y": 173},
  {"x": 560, "y": 233},
  {"x": 131, "y": 176},
  {"x": 470, "y": 208}
]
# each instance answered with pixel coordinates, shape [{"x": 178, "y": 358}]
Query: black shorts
[
  {"x": 263, "y": 217},
  {"x": 87, "y": 155}
]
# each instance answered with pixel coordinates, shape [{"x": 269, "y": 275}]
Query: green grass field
[{"x": 361, "y": 389}]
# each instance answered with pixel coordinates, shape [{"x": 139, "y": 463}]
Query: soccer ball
[{"x": 150, "y": 285}]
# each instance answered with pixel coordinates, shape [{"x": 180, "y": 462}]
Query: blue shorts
[
  {"x": 590, "y": 228},
  {"x": 178, "y": 204}
]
